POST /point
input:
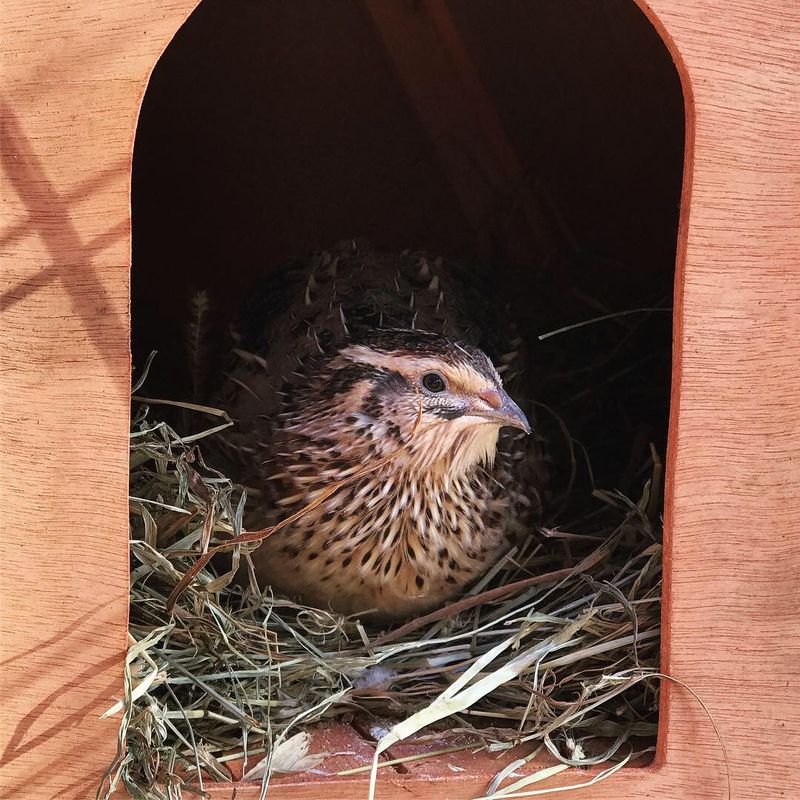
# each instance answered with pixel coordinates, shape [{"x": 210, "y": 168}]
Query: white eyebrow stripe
[
  {"x": 469, "y": 378},
  {"x": 406, "y": 364}
]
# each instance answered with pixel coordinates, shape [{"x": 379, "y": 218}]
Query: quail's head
[{"x": 435, "y": 403}]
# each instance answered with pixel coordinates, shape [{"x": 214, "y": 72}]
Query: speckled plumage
[{"x": 325, "y": 387}]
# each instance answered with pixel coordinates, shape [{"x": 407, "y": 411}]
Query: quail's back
[{"x": 367, "y": 390}]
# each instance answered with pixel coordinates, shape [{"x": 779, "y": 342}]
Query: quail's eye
[{"x": 433, "y": 382}]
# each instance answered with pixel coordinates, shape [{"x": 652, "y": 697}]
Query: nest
[{"x": 557, "y": 645}]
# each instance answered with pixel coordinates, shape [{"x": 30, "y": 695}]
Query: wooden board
[{"x": 73, "y": 80}]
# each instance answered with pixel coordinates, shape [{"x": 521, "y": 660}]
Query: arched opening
[{"x": 545, "y": 143}]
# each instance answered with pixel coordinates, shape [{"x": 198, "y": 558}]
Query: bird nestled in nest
[{"x": 374, "y": 390}]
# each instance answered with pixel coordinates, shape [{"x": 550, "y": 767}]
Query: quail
[{"x": 367, "y": 391}]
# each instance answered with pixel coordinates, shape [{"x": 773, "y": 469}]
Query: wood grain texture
[{"x": 73, "y": 79}]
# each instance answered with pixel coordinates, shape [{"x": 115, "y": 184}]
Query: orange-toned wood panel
[
  {"x": 734, "y": 493},
  {"x": 73, "y": 76},
  {"x": 73, "y": 79}
]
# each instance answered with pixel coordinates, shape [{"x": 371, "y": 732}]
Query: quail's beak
[{"x": 503, "y": 410}]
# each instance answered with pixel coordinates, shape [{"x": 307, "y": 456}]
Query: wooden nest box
[{"x": 458, "y": 126}]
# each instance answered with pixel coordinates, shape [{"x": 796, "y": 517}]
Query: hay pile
[{"x": 557, "y": 645}]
